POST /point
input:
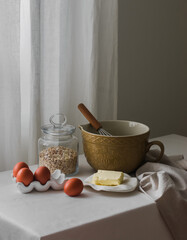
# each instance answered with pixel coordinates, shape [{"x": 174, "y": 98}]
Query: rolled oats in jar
[{"x": 58, "y": 147}]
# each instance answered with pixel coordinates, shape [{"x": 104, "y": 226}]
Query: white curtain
[
  {"x": 73, "y": 59},
  {"x": 10, "y": 100}
]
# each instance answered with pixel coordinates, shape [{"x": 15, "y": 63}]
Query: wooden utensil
[{"x": 92, "y": 120}]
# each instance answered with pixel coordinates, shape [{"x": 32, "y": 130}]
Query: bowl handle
[{"x": 161, "y": 146}]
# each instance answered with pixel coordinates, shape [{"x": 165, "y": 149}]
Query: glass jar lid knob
[{"x": 58, "y": 120}]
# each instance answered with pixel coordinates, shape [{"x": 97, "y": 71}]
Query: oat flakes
[{"x": 59, "y": 157}]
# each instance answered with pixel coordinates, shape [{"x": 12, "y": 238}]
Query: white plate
[
  {"x": 56, "y": 182},
  {"x": 129, "y": 184}
]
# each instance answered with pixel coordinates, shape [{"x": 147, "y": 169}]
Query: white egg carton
[{"x": 56, "y": 182}]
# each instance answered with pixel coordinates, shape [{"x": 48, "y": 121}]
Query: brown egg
[
  {"x": 42, "y": 174},
  {"x": 18, "y": 166},
  {"x": 25, "y": 176},
  {"x": 73, "y": 187}
]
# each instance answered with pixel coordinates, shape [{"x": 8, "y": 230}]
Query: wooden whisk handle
[{"x": 91, "y": 119}]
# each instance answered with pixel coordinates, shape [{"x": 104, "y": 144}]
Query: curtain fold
[
  {"x": 35, "y": 108},
  {"x": 10, "y": 100}
]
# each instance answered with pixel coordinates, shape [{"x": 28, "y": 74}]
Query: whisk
[{"x": 92, "y": 120}]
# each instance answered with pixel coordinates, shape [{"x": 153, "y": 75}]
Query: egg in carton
[{"x": 56, "y": 182}]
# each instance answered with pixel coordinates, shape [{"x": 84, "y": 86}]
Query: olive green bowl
[{"x": 124, "y": 151}]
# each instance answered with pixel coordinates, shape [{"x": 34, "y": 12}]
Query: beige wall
[{"x": 153, "y": 64}]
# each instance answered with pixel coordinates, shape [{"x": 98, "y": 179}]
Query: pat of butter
[{"x": 108, "y": 178}]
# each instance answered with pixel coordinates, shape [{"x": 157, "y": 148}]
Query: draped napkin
[{"x": 166, "y": 183}]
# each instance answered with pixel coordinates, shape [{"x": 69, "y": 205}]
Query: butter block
[{"x": 108, "y": 178}]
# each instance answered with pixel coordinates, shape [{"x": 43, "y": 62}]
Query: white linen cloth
[
  {"x": 166, "y": 183},
  {"x": 52, "y": 215}
]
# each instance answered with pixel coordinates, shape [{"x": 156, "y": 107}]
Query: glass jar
[{"x": 58, "y": 147}]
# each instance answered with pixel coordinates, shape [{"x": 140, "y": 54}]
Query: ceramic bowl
[{"x": 124, "y": 151}]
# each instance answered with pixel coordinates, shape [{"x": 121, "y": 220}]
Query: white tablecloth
[{"x": 52, "y": 215}]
